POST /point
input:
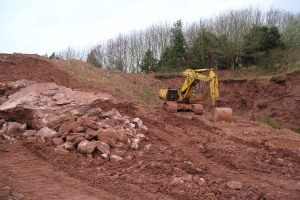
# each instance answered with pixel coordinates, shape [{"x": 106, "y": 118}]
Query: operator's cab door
[{"x": 197, "y": 92}]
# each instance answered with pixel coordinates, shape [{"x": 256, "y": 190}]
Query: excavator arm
[{"x": 193, "y": 77}]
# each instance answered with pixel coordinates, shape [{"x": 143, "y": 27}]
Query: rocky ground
[{"x": 71, "y": 131}]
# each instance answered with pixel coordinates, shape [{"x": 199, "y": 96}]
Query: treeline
[{"x": 232, "y": 39}]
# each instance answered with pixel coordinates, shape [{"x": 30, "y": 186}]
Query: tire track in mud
[
  {"x": 252, "y": 158},
  {"x": 227, "y": 157},
  {"x": 99, "y": 176},
  {"x": 36, "y": 179}
]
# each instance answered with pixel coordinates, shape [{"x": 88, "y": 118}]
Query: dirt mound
[
  {"x": 182, "y": 156},
  {"x": 15, "y": 67}
]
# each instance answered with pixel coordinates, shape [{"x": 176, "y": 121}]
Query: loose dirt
[{"x": 190, "y": 156}]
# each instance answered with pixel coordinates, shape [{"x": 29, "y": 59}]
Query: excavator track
[
  {"x": 197, "y": 109},
  {"x": 170, "y": 107},
  {"x": 173, "y": 107}
]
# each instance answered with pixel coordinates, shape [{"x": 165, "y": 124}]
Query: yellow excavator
[{"x": 190, "y": 96}]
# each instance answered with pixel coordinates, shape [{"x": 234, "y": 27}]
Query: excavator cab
[
  {"x": 172, "y": 94},
  {"x": 197, "y": 92}
]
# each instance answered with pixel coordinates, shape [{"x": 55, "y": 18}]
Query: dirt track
[{"x": 190, "y": 158}]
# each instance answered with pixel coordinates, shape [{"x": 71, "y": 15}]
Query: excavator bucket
[{"x": 222, "y": 114}]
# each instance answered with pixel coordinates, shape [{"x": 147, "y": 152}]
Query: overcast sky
[{"x": 47, "y": 26}]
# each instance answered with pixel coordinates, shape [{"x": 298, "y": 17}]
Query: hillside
[{"x": 183, "y": 156}]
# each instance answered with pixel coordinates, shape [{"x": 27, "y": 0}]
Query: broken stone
[
  {"x": 78, "y": 140},
  {"x": 90, "y": 123},
  {"x": 72, "y": 137},
  {"x": 78, "y": 129},
  {"x": 129, "y": 157},
  {"x": 19, "y": 84},
  {"x": 86, "y": 147},
  {"x": 134, "y": 143},
  {"x": 131, "y": 130},
  {"x": 201, "y": 181},
  {"x": 22, "y": 128},
  {"x": 110, "y": 113},
  {"x": 113, "y": 138},
  {"x": 57, "y": 141},
  {"x": 41, "y": 139},
  {"x": 63, "y": 136},
  {"x": 140, "y": 136},
  {"x": 120, "y": 138},
  {"x": 126, "y": 124},
  {"x": 29, "y": 133},
  {"x": 138, "y": 122},
  {"x": 111, "y": 122},
  {"x": 147, "y": 147},
  {"x": 144, "y": 128},
  {"x": 104, "y": 155},
  {"x": 31, "y": 139},
  {"x": 177, "y": 180},
  {"x": 235, "y": 185},
  {"x": 68, "y": 126},
  {"x": 91, "y": 135},
  {"x": 115, "y": 158},
  {"x": 95, "y": 112},
  {"x": 60, "y": 150},
  {"x": 4, "y": 128},
  {"x": 68, "y": 146},
  {"x": 103, "y": 147},
  {"x": 45, "y": 132},
  {"x": 118, "y": 118},
  {"x": 103, "y": 125},
  {"x": 13, "y": 127},
  {"x": 6, "y": 137}
]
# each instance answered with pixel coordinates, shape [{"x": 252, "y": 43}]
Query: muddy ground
[{"x": 191, "y": 157}]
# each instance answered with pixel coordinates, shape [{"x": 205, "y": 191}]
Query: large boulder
[{"x": 49, "y": 105}]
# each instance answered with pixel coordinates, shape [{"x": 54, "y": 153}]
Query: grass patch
[
  {"x": 268, "y": 73},
  {"x": 271, "y": 125},
  {"x": 167, "y": 75},
  {"x": 297, "y": 131},
  {"x": 147, "y": 98}
]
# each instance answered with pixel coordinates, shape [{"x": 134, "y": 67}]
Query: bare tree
[
  {"x": 125, "y": 52},
  {"x": 71, "y": 53}
]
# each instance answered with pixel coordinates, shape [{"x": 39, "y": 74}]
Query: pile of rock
[
  {"x": 84, "y": 122},
  {"x": 109, "y": 135}
]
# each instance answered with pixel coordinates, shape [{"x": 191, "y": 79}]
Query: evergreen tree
[
  {"x": 175, "y": 55},
  {"x": 178, "y": 42},
  {"x": 259, "y": 42},
  {"x": 149, "y": 62},
  {"x": 53, "y": 56},
  {"x": 92, "y": 59}
]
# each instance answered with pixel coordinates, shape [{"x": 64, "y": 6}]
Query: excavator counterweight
[{"x": 190, "y": 95}]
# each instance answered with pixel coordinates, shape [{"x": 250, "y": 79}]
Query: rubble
[
  {"x": 74, "y": 120},
  {"x": 109, "y": 133}
]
